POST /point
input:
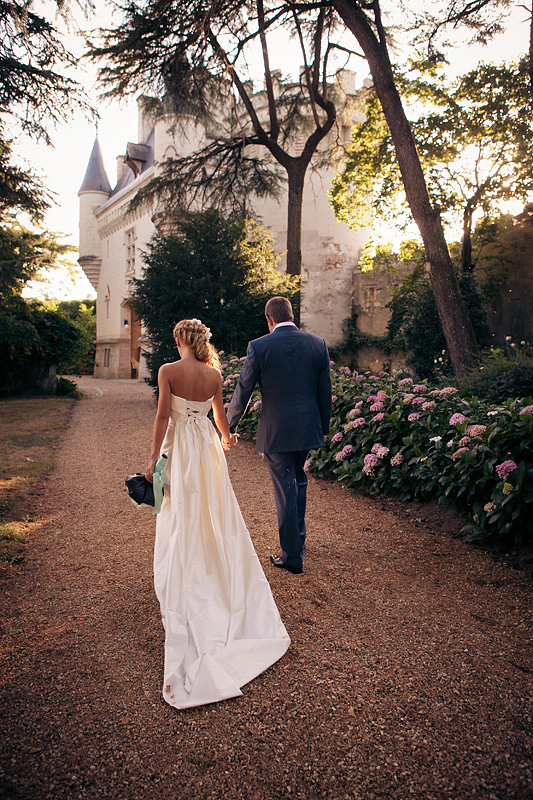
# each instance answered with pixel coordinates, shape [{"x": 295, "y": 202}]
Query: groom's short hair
[{"x": 279, "y": 309}]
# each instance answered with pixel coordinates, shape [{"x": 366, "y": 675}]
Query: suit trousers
[{"x": 290, "y": 492}]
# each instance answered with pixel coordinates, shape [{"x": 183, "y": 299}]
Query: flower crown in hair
[{"x": 207, "y": 330}]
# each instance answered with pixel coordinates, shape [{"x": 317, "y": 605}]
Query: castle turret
[{"x": 94, "y": 191}]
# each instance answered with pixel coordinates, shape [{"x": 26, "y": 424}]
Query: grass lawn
[{"x": 30, "y": 428}]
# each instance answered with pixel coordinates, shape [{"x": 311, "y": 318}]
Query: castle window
[
  {"x": 107, "y": 353},
  {"x": 129, "y": 242}
]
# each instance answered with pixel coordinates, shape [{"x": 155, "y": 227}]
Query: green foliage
[
  {"x": 502, "y": 374},
  {"x": 24, "y": 253},
  {"x": 415, "y": 325},
  {"x": 35, "y": 91},
  {"x": 32, "y": 338},
  {"x": 222, "y": 271},
  {"x": 83, "y": 316},
  {"x": 474, "y": 140},
  {"x": 66, "y": 388}
]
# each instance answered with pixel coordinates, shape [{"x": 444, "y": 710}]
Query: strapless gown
[{"x": 222, "y": 626}]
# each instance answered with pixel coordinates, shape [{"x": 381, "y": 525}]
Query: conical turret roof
[{"x": 96, "y": 179}]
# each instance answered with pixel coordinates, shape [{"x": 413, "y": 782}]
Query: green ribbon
[{"x": 159, "y": 481}]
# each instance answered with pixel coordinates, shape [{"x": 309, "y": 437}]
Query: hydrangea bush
[{"x": 391, "y": 435}]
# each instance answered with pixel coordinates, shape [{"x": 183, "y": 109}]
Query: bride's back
[{"x": 192, "y": 379}]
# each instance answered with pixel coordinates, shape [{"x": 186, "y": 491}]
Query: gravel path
[{"x": 409, "y": 676}]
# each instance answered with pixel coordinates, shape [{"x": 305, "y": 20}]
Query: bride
[{"x": 222, "y": 626}]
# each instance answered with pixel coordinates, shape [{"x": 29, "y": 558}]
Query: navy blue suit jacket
[{"x": 292, "y": 370}]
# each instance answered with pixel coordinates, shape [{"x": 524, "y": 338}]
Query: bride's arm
[
  {"x": 161, "y": 420},
  {"x": 221, "y": 420}
]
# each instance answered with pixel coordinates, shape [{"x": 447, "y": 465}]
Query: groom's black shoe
[{"x": 279, "y": 562}]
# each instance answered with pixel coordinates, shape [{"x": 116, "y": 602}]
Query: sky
[{"x": 63, "y": 166}]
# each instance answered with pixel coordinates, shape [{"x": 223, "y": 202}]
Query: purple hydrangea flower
[
  {"x": 346, "y": 450},
  {"x": 370, "y": 461},
  {"x": 505, "y": 468},
  {"x": 457, "y": 419}
]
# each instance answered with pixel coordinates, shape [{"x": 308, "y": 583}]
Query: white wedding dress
[{"x": 222, "y": 626}]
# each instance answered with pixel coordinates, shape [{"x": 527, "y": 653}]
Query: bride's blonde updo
[{"x": 196, "y": 335}]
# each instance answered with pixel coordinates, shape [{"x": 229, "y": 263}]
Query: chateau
[{"x": 111, "y": 238}]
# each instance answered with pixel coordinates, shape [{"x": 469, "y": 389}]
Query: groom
[{"x": 292, "y": 370}]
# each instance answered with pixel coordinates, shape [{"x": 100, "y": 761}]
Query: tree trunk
[
  {"x": 296, "y": 177},
  {"x": 466, "y": 249},
  {"x": 456, "y": 324}
]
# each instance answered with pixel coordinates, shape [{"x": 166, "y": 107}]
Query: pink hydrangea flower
[
  {"x": 377, "y": 406},
  {"x": 307, "y": 465},
  {"x": 405, "y": 381},
  {"x": 257, "y": 405},
  {"x": 380, "y": 450},
  {"x": 346, "y": 450},
  {"x": 378, "y": 417},
  {"x": 448, "y": 390},
  {"x": 355, "y": 410},
  {"x": 408, "y": 398},
  {"x": 465, "y": 442},
  {"x": 370, "y": 461},
  {"x": 420, "y": 387},
  {"x": 382, "y": 395},
  {"x": 457, "y": 419},
  {"x": 459, "y": 453},
  {"x": 429, "y": 405},
  {"x": 475, "y": 430},
  {"x": 357, "y": 422},
  {"x": 371, "y": 398},
  {"x": 345, "y": 370},
  {"x": 337, "y": 437},
  {"x": 526, "y": 410},
  {"x": 333, "y": 398},
  {"x": 505, "y": 468},
  {"x": 414, "y": 416},
  {"x": 396, "y": 460},
  {"x": 418, "y": 401}
]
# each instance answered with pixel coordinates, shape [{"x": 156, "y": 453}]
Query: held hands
[{"x": 227, "y": 443}]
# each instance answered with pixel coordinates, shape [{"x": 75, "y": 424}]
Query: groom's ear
[{"x": 270, "y": 322}]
